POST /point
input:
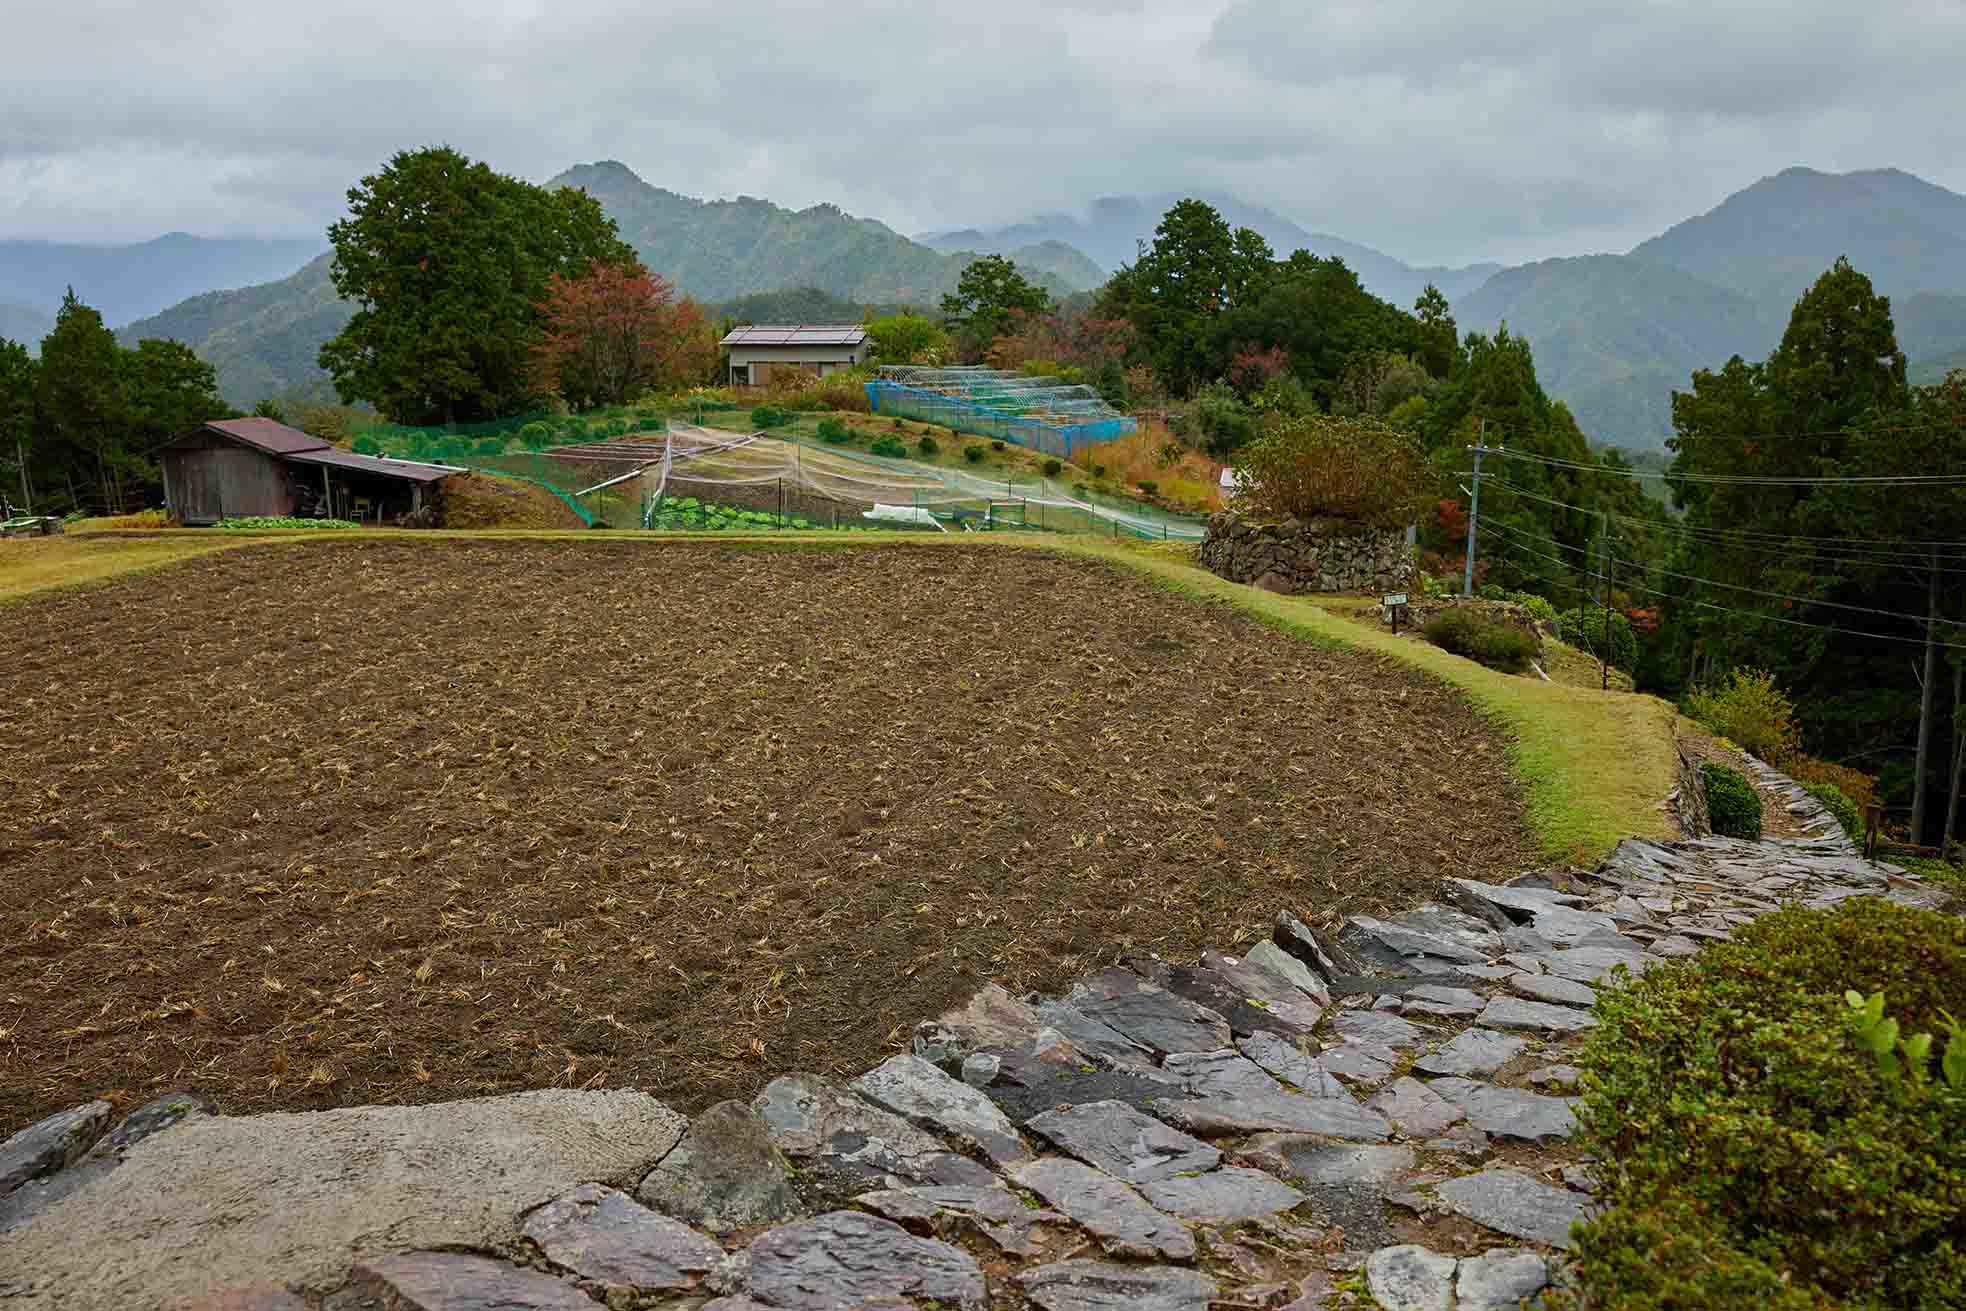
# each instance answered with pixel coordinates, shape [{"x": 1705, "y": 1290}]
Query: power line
[{"x": 1885, "y": 480}]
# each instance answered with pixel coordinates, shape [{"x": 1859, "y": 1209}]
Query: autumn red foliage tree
[{"x": 617, "y": 332}]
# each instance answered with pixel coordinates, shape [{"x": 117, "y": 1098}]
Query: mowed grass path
[{"x": 1596, "y": 766}]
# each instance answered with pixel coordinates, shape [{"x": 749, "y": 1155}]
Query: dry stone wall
[{"x": 1306, "y": 555}]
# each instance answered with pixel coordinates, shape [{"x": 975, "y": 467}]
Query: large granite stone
[
  {"x": 1514, "y": 1204},
  {"x": 218, "y": 1202},
  {"x": 1280, "y": 1113},
  {"x": 47, "y": 1145},
  {"x": 1500, "y": 1279},
  {"x": 846, "y": 1258},
  {"x": 1410, "y": 1278},
  {"x": 1509, "y": 1112},
  {"x": 1123, "y": 1142},
  {"x": 1383, "y": 943},
  {"x": 1501, "y": 905},
  {"x": 1414, "y": 1110},
  {"x": 1221, "y": 1197},
  {"x": 602, "y": 1235},
  {"x": 1118, "y": 1217},
  {"x": 848, "y": 1141},
  {"x": 459, "y": 1281},
  {"x": 1151, "y": 1016},
  {"x": 724, "y": 1175},
  {"x": 1269, "y": 956},
  {"x": 1533, "y": 1016},
  {"x": 1098, "y": 1286},
  {"x": 1292, "y": 1007},
  {"x": 1473, "y": 1051},
  {"x": 1285, "y": 1060},
  {"x": 1554, "y": 989},
  {"x": 920, "y": 1093},
  {"x": 1320, "y": 954},
  {"x": 1560, "y": 926}
]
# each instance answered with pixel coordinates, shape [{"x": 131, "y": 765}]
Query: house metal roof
[
  {"x": 269, "y": 435},
  {"x": 809, "y": 334},
  {"x": 406, "y": 470}
]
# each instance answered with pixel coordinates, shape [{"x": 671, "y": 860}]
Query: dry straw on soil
[{"x": 380, "y": 822}]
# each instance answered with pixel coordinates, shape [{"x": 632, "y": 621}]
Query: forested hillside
[{"x": 263, "y": 340}]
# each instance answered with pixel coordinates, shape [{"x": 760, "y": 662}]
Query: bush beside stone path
[{"x": 1377, "y": 1110}]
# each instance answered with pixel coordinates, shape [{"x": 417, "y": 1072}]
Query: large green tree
[
  {"x": 447, "y": 262},
  {"x": 17, "y": 369},
  {"x": 80, "y": 408},
  {"x": 990, "y": 294},
  {"x": 1196, "y": 270}
]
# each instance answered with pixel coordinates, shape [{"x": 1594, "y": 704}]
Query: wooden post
[{"x": 1873, "y": 819}]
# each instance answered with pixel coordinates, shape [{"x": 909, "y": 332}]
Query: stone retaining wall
[{"x": 1315, "y": 555}]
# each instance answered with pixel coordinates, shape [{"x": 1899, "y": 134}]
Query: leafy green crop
[{"x": 265, "y": 521}]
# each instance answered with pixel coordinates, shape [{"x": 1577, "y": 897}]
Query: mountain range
[{"x": 1613, "y": 334}]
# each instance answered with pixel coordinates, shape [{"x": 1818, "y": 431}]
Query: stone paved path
[{"x": 1382, "y": 1111}]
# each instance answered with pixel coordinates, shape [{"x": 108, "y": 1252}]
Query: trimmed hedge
[
  {"x": 1733, "y": 805},
  {"x": 769, "y": 416},
  {"x": 1466, "y": 633},
  {"x": 1751, "y": 1151}
]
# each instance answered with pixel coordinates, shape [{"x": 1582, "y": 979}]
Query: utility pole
[
  {"x": 1604, "y": 604},
  {"x": 1474, "y": 510}
]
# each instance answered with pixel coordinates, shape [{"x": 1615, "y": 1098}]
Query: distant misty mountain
[
  {"x": 260, "y": 340},
  {"x": 1615, "y": 335},
  {"x": 718, "y": 250},
  {"x": 26, "y": 325},
  {"x": 128, "y": 282},
  {"x": 1115, "y": 225}
]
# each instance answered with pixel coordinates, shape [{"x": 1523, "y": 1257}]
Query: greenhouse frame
[{"x": 1045, "y": 414}]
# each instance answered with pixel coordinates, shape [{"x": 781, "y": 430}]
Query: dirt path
[{"x": 397, "y": 823}]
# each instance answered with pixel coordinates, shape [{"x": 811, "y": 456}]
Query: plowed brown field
[{"x": 351, "y": 823}]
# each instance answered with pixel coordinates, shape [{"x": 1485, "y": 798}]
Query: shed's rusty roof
[
  {"x": 408, "y": 470},
  {"x": 269, "y": 435}
]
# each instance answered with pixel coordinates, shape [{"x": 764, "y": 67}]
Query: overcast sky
[{"x": 1436, "y": 130}]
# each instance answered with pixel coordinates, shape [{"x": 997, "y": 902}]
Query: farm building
[
  {"x": 235, "y": 468},
  {"x": 755, "y": 350}
]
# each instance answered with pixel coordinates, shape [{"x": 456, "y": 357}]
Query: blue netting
[{"x": 1036, "y": 412}]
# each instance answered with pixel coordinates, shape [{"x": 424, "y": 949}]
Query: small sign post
[{"x": 1394, "y": 603}]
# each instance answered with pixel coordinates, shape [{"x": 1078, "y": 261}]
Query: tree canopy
[
  {"x": 447, "y": 263},
  {"x": 616, "y": 332},
  {"x": 990, "y": 291}
]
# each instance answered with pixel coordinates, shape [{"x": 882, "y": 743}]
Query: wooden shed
[{"x": 237, "y": 468}]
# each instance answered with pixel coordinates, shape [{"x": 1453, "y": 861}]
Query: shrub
[
  {"x": 535, "y": 436},
  {"x": 1860, "y": 787},
  {"x": 365, "y": 445},
  {"x": 1466, "y": 633},
  {"x": 1314, "y": 466},
  {"x": 1053, "y": 468},
  {"x": 927, "y": 446},
  {"x": 1098, "y": 471},
  {"x": 1732, "y": 803},
  {"x": 1589, "y": 628},
  {"x": 1752, "y": 1152},
  {"x": 141, "y": 519},
  {"x": 890, "y": 447},
  {"x": 834, "y": 432},
  {"x": 769, "y": 416},
  {"x": 1149, "y": 486},
  {"x": 996, "y": 445},
  {"x": 1748, "y": 709},
  {"x": 1539, "y": 606},
  {"x": 974, "y": 453},
  {"x": 1845, "y": 810}
]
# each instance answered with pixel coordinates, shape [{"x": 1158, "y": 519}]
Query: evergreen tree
[
  {"x": 17, "y": 370},
  {"x": 79, "y": 405}
]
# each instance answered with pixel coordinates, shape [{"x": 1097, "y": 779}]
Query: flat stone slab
[
  {"x": 1473, "y": 1051},
  {"x": 1558, "y": 1076},
  {"x": 1099, "y": 1286},
  {"x": 217, "y": 1202},
  {"x": 724, "y": 1175},
  {"x": 1024, "y": 1085},
  {"x": 1219, "y": 1074},
  {"x": 999, "y": 1214},
  {"x": 1123, "y": 1142},
  {"x": 1284, "y": 1113},
  {"x": 1269, "y": 956},
  {"x": 1446, "y": 1003},
  {"x": 458, "y": 1281},
  {"x": 991, "y": 1018},
  {"x": 1500, "y": 1279},
  {"x": 1222, "y": 1197},
  {"x": 1512, "y": 1203},
  {"x": 1118, "y": 1217},
  {"x": 1533, "y": 1016},
  {"x": 1414, "y": 1109},
  {"x": 1518, "y": 904},
  {"x": 1509, "y": 1112},
  {"x": 1410, "y": 1278},
  {"x": 1362, "y": 1063},
  {"x": 814, "y": 1121},
  {"x": 1100, "y": 1043},
  {"x": 1394, "y": 944},
  {"x": 1151, "y": 1016},
  {"x": 1561, "y": 926},
  {"x": 1347, "y": 1185},
  {"x": 1554, "y": 989},
  {"x": 155, "y": 1116},
  {"x": 847, "y": 1257},
  {"x": 604, "y": 1236},
  {"x": 1591, "y": 964},
  {"x": 1457, "y": 925},
  {"x": 1284, "y": 1060},
  {"x": 1380, "y": 1028},
  {"x": 48, "y": 1145},
  {"x": 1293, "y": 1008},
  {"x": 921, "y": 1094}
]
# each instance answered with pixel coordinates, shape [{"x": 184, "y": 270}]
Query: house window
[{"x": 740, "y": 375}]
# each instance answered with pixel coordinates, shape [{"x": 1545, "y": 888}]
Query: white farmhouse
[{"x": 755, "y": 350}]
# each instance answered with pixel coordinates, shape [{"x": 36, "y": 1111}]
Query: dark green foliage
[
  {"x": 1751, "y": 1152},
  {"x": 1149, "y": 486},
  {"x": 1603, "y": 632},
  {"x": 366, "y": 445},
  {"x": 447, "y": 264},
  {"x": 833, "y": 432},
  {"x": 535, "y": 436},
  {"x": 974, "y": 453},
  {"x": 1052, "y": 468},
  {"x": 1464, "y": 632},
  {"x": 769, "y": 416},
  {"x": 1732, "y": 803},
  {"x": 988, "y": 295},
  {"x": 927, "y": 446},
  {"x": 890, "y": 447},
  {"x": 996, "y": 445},
  {"x": 1848, "y": 817}
]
